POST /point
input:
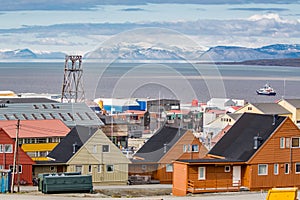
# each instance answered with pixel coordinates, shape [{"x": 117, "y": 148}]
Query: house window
[
  {"x": 95, "y": 149},
  {"x": 99, "y": 169},
  {"x": 286, "y": 168},
  {"x": 201, "y": 173},
  {"x": 8, "y": 148},
  {"x": 1, "y": 148},
  {"x": 169, "y": 167},
  {"x": 282, "y": 141},
  {"x": 263, "y": 169},
  {"x": 186, "y": 148},
  {"x": 287, "y": 142},
  {"x": 295, "y": 142},
  {"x": 20, "y": 168},
  {"x": 144, "y": 167},
  {"x": 297, "y": 168},
  {"x": 195, "y": 148},
  {"x": 276, "y": 169},
  {"x": 109, "y": 168},
  {"x": 1, "y": 167},
  {"x": 90, "y": 168},
  {"x": 227, "y": 168},
  {"x": 105, "y": 148},
  {"x": 52, "y": 168},
  {"x": 249, "y": 108},
  {"x": 78, "y": 168}
]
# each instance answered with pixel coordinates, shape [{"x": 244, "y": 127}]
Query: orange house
[
  {"x": 155, "y": 157},
  {"x": 258, "y": 152},
  {"x": 7, "y": 149}
]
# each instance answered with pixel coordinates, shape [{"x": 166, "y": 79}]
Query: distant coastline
[{"x": 288, "y": 62}]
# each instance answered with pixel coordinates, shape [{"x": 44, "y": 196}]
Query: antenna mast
[{"x": 72, "y": 88}]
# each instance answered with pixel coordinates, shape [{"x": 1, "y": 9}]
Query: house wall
[
  {"x": 290, "y": 108},
  {"x": 143, "y": 170},
  {"x": 39, "y": 169},
  {"x": 271, "y": 153},
  {"x": 180, "y": 179},
  {"x": 163, "y": 176},
  {"x": 249, "y": 108}
]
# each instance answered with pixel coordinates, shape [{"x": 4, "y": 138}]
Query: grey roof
[
  {"x": 237, "y": 143},
  {"x": 64, "y": 151},
  {"x": 71, "y": 114},
  {"x": 294, "y": 102},
  {"x": 159, "y": 144},
  {"x": 235, "y": 116},
  {"x": 271, "y": 108},
  {"x": 25, "y": 100}
]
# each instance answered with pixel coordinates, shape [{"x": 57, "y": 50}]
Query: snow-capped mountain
[
  {"x": 234, "y": 53},
  {"x": 28, "y": 54},
  {"x": 145, "y": 51}
]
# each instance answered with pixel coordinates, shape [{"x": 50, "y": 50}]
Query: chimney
[
  {"x": 257, "y": 142},
  {"x": 274, "y": 119},
  {"x": 75, "y": 147},
  {"x": 165, "y": 148}
]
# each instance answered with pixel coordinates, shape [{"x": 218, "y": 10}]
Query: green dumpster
[{"x": 69, "y": 183}]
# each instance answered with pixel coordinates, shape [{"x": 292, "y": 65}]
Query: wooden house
[
  {"x": 89, "y": 151},
  {"x": 265, "y": 108},
  {"x": 155, "y": 157},
  {"x": 258, "y": 152},
  {"x": 292, "y": 105},
  {"x": 7, "y": 149}
]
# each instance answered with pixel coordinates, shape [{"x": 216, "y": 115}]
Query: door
[{"x": 236, "y": 176}]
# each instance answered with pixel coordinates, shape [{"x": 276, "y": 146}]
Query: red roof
[
  {"x": 138, "y": 112},
  {"x": 35, "y": 128}
]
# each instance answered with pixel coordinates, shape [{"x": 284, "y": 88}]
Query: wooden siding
[
  {"x": 246, "y": 109},
  {"x": 143, "y": 169},
  {"x": 163, "y": 176},
  {"x": 180, "y": 179},
  {"x": 271, "y": 153},
  {"x": 91, "y": 154}
]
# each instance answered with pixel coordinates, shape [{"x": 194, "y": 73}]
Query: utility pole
[{"x": 15, "y": 160}]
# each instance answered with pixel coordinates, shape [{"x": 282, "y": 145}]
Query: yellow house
[
  {"x": 89, "y": 151},
  {"x": 37, "y": 137},
  {"x": 265, "y": 108},
  {"x": 293, "y": 106}
]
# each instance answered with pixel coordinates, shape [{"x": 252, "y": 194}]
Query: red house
[{"x": 7, "y": 147}]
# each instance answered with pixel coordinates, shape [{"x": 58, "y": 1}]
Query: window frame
[
  {"x": 282, "y": 143},
  {"x": 8, "y": 145},
  {"x": 286, "y": 168},
  {"x": 1, "y": 148},
  {"x": 78, "y": 167},
  {"x": 276, "y": 169},
  {"x": 90, "y": 168},
  {"x": 292, "y": 144},
  {"x": 259, "y": 173},
  {"x": 228, "y": 168},
  {"x": 201, "y": 176},
  {"x": 196, "y": 146},
  {"x": 169, "y": 167},
  {"x": 297, "y": 164},
  {"x": 112, "y": 167},
  {"x": 20, "y": 169},
  {"x": 104, "y": 148}
]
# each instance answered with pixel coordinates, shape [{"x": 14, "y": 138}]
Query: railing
[{"x": 212, "y": 186}]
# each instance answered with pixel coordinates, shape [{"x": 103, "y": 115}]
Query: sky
[{"x": 73, "y": 26}]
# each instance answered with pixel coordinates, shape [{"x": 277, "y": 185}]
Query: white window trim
[
  {"x": 193, "y": 149},
  {"x": 276, "y": 166},
  {"x": 204, "y": 173},
  {"x": 282, "y": 142},
  {"x": 113, "y": 169},
  {"x": 296, "y": 168},
  {"x": 90, "y": 168},
  {"x": 292, "y": 142},
  {"x": 170, "y": 169},
  {"x": 99, "y": 168},
  {"x": 266, "y": 169},
  {"x": 288, "y": 167},
  {"x": 225, "y": 170}
]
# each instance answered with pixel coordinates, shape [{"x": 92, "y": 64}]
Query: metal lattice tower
[{"x": 72, "y": 89}]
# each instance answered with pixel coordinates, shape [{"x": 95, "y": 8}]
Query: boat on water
[{"x": 266, "y": 90}]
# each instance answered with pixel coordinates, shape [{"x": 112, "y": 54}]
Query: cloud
[
  {"x": 92, "y": 4},
  {"x": 261, "y": 9},
  {"x": 132, "y": 9}
]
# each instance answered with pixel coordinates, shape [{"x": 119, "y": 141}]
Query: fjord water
[{"x": 165, "y": 80}]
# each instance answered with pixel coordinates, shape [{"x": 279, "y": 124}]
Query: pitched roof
[
  {"x": 271, "y": 108},
  {"x": 71, "y": 114},
  {"x": 235, "y": 116},
  {"x": 159, "y": 144},
  {"x": 237, "y": 143},
  {"x": 65, "y": 149},
  {"x": 294, "y": 102},
  {"x": 35, "y": 128},
  {"x": 26, "y": 100}
]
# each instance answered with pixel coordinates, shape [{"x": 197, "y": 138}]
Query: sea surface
[{"x": 183, "y": 81}]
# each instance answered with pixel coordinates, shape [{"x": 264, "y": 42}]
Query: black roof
[
  {"x": 65, "y": 149},
  {"x": 237, "y": 144},
  {"x": 159, "y": 144}
]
